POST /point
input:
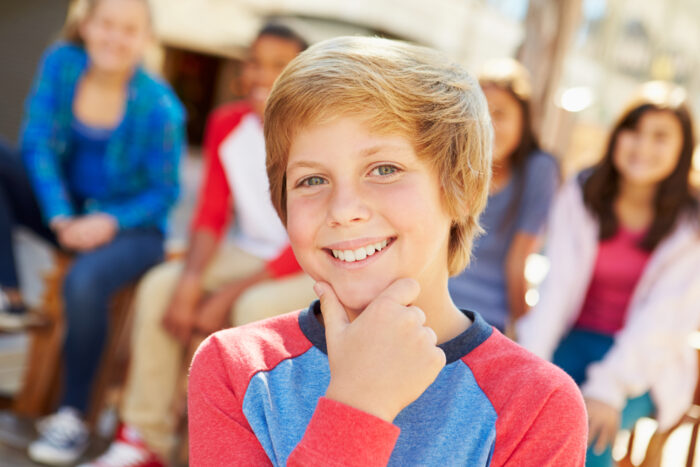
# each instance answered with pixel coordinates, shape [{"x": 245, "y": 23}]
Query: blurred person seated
[
  {"x": 100, "y": 147},
  {"x": 622, "y": 293},
  {"x": 217, "y": 285},
  {"x": 524, "y": 180}
]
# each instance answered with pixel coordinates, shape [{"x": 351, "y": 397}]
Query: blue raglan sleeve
[{"x": 40, "y": 134}]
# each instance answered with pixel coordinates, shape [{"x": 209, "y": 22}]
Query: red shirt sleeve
[
  {"x": 219, "y": 433},
  {"x": 214, "y": 207},
  {"x": 541, "y": 415},
  {"x": 342, "y": 435},
  {"x": 557, "y": 435},
  {"x": 284, "y": 264}
]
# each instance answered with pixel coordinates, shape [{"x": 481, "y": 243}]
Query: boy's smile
[{"x": 363, "y": 210}]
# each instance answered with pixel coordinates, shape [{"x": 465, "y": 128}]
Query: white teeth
[{"x": 361, "y": 253}]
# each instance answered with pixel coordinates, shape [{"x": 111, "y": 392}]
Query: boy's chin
[{"x": 354, "y": 300}]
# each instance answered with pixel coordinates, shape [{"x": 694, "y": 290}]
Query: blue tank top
[{"x": 85, "y": 170}]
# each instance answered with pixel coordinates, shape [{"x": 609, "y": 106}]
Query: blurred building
[
  {"x": 616, "y": 46},
  {"x": 26, "y": 28}
]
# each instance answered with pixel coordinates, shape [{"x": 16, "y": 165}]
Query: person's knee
[
  {"x": 82, "y": 291},
  {"x": 256, "y": 303}
]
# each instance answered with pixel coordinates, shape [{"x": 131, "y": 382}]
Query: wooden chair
[
  {"x": 41, "y": 385},
  {"x": 654, "y": 452}
]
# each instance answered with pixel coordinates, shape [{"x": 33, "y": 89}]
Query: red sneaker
[{"x": 127, "y": 450}]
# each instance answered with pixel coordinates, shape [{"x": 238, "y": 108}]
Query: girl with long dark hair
[
  {"x": 524, "y": 179},
  {"x": 623, "y": 289}
]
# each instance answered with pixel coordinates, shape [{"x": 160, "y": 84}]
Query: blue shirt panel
[
  {"x": 482, "y": 286},
  {"x": 279, "y": 403},
  {"x": 451, "y": 423},
  {"x": 86, "y": 171}
]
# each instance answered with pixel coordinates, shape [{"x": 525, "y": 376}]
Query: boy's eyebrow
[
  {"x": 366, "y": 152},
  {"x": 304, "y": 164}
]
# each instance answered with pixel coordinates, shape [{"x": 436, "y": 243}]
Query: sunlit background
[{"x": 586, "y": 58}]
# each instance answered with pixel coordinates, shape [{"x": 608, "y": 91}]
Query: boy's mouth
[{"x": 360, "y": 253}]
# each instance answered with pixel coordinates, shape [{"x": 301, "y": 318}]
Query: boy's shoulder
[
  {"x": 246, "y": 350},
  {"x": 506, "y": 370},
  {"x": 532, "y": 397}
]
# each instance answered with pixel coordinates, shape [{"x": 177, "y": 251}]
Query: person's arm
[
  {"x": 167, "y": 143},
  {"x": 655, "y": 333},
  {"x": 284, "y": 264},
  {"x": 208, "y": 223},
  {"x": 541, "y": 179},
  {"x": 336, "y": 435},
  {"x": 571, "y": 240},
  {"x": 215, "y": 312},
  {"x": 39, "y": 136},
  {"x": 219, "y": 433},
  {"x": 179, "y": 318},
  {"x": 522, "y": 246},
  {"x": 380, "y": 362},
  {"x": 556, "y": 436}
]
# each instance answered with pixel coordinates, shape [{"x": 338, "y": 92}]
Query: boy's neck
[{"x": 441, "y": 314}]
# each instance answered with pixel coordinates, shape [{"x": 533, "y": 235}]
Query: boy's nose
[{"x": 347, "y": 206}]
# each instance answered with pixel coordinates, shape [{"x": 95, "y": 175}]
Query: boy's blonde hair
[{"x": 396, "y": 88}]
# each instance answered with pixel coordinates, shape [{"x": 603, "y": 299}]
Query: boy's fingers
[
  {"x": 402, "y": 291},
  {"x": 334, "y": 316}
]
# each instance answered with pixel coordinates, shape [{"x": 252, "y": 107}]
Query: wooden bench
[
  {"x": 41, "y": 386},
  {"x": 655, "y": 447}
]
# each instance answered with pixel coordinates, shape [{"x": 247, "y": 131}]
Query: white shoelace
[
  {"x": 121, "y": 454},
  {"x": 63, "y": 428}
]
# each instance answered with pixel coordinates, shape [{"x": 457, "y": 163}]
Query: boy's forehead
[{"x": 358, "y": 138}]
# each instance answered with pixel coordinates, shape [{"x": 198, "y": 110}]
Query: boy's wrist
[{"x": 369, "y": 406}]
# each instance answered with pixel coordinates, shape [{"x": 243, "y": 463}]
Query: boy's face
[
  {"x": 363, "y": 210},
  {"x": 267, "y": 58}
]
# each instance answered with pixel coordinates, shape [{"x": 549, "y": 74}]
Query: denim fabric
[
  {"x": 92, "y": 280},
  {"x": 18, "y": 206}
]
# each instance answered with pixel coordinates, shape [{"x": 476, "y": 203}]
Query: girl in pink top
[{"x": 621, "y": 296}]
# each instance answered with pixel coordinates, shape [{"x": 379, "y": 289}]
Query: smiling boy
[{"x": 379, "y": 161}]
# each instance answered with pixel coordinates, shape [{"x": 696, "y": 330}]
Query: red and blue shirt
[{"x": 256, "y": 397}]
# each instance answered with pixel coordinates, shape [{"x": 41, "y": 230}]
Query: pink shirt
[{"x": 618, "y": 266}]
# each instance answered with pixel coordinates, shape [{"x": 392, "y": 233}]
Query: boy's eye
[
  {"x": 312, "y": 181},
  {"x": 384, "y": 170}
]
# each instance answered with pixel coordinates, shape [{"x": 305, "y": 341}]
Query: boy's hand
[{"x": 385, "y": 359}]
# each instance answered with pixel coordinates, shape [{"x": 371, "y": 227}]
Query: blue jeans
[
  {"x": 93, "y": 278},
  {"x": 575, "y": 353}
]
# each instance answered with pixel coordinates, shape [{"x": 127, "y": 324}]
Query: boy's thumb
[{"x": 334, "y": 316}]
